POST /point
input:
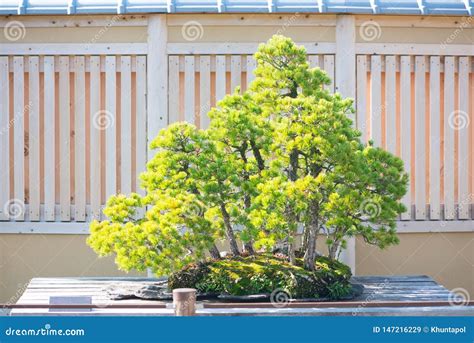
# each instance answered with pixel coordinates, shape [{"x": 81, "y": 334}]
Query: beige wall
[
  {"x": 321, "y": 28},
  {"x": 446, "y": 257},
  {"x": 255, "y": 34},
  {"x": 23, "y": 257},
  {"x": 247, "y": 28},
  {"x": 423, "y": 35},
  {"x": 86, "y": 35}
]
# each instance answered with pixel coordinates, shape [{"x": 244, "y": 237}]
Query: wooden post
[
  {"x": 346, "y": 86},
  {"x": 157, "y": 81},
  {"x": 184, "y": 301},
  {"x": 345, "y": 79},
  {"x": 157, "y": 75}
]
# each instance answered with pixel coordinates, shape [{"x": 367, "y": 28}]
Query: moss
[{"x": 262, "y": 274}]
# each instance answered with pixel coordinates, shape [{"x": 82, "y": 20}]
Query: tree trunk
[
  {"x": 229, "y": 232},
  {"x": 313, "y": 228},
  {"x": 214, "y": 252},
  {"x": 305, "y": 237},
  {"x": 291, "y": 251},
  {"x": 333, "y": 250},
  {"x": 292, "y": 230},
  {"x": 293, "y": 167},
  {"x": 257, "y": 155},
  {"x": 292, "y": 220},
  {"x": 248, "y": 248}
]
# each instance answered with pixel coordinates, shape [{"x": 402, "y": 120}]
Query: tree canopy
[{"x": 282, "y": 156}]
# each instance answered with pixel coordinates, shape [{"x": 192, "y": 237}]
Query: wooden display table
[{"x": 382, "y": 296}]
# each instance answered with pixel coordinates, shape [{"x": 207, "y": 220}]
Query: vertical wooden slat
[
  {"x": 79, "y": 139},
  {"x": 49, "y": 139},
  {"x": 110, "y": 130},
  {"x": 126, "y": 124},
  {"x": 64, "y": 144},
  {"x": 390, "y": 104},
  {"x": 345, "y": 62},
  {"x": 314, "y": 61},
  {"x": 463, "y": 139},
  {"x": 19, "y": 133},
  {"x": 205, "y": 90},
  {"x": 235, "y": 72},
  {"x": 4, "y": 137},
  {"x": 376, "y": 100},
  {"x": 448, "y": 138},
  {"x": 329, "y": 69},
  {"x": 420, "y": 148},
  {"x": 95, "y": 184},
  {"x": 33, "y": 138},
  {"x": 434, "y": 138},
  {"x": 189, "y": 101},
  {"x": 251, "y": 65},
  {"x": 157, "y": 76},
  {"x": 361, "y": 103},
  {"x": 220, "y": 78},
  {"x": 173, "y": 89},
  {"x": 405, "y": 120},
  {"x": 141, "y": 119}
]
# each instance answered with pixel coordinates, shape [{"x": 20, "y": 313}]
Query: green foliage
[
  {"x": 177, "y": 228},
  {"x": 281, "y": 155},
  {"x": 263, "y": 274}
]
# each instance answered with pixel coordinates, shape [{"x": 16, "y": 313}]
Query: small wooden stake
[{"x": 184, "y": 300}]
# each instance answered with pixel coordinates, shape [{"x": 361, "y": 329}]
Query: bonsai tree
[
  {"x": 324, "y": 179},
  {"x": 281, "y": 156}
]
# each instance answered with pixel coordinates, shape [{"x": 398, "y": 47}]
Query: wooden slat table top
[{"x": 383, "y": 295}]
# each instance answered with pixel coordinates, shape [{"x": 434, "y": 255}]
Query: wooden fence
[
  {"x": 420, "y": 108},
  {"x": 416, "y": 107},
  {"x": 196, "y": 83},
  {"x": 75, "y": 119},
  {"x": 73, "y": 132}
]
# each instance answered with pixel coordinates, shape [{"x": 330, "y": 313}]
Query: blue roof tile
[{"x": 420, "y": 7}]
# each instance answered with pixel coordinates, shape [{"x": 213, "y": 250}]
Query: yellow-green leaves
[{"x": 281, "y": 155}]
